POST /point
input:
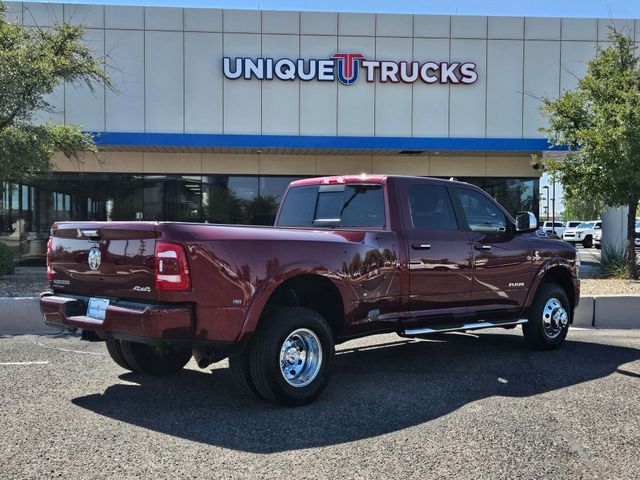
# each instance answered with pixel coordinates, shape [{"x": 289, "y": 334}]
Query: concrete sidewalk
[{"x": 21, "y": 315}]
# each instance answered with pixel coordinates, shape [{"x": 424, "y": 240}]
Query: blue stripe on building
[{"x": 139, "y": 139}]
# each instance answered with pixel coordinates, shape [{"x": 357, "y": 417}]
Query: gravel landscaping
[
  {"x": 25, "y": 282},
  {"x": 605, "y": 286}
]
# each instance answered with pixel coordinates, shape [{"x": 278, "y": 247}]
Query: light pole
[
  {"x": 547, "y": 188},
  {"x": 553, "y": 202}
]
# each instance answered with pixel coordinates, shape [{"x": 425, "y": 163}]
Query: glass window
[
  {"x": 298, "y": 207},
  {"x": 586, "y": 225},
  {"x": 481, "y": 213},
  {"x": 271, "y": 191},
  {"x": 431, "y": 208},
  {"x": 336, "y": 205},
  {"x": 364, "y": 206},
  {"x": 330, "y": 202},
  {"x": 514, "y": 194},
  {"x": 231, "y": 199}
]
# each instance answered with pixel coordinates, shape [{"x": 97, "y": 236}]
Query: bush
[
  {"x": 613, "y": 261},
  {"x": 6, "y": 260}
]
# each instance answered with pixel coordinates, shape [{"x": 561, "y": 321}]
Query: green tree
[
  {"x": 581, "y": 209},
  {"x": 33, "y": 61},
  {"x": 599, "y": 121}
]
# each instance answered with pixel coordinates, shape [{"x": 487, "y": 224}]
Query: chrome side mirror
[{"x": 526, "y": 222}]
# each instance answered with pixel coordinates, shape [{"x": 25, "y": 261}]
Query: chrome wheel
[
  {"x": 554, "y": 318},
  {"x": 300, "y": 357}
]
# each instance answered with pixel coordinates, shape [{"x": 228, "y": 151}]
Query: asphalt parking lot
[{"x": 457, "y": 406}]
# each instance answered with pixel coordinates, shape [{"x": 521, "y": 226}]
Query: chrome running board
[{"x": 462, "y": 328}]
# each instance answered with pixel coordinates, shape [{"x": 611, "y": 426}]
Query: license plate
[{"x": 97, "y": 308}]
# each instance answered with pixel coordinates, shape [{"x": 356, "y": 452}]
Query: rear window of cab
[{"x": 342, "y": 205}]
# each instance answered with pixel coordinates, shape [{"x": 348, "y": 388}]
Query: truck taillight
[
  {"x": 172, "y": 270},
  {"x": 49, "y": 252}
]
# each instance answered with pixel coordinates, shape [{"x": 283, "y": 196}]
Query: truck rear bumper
[{"x": 121, "y": 319}]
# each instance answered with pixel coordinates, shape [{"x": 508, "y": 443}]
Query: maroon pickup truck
[{"x": 349, "y": 256}]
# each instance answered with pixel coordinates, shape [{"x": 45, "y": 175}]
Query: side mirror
[{"x": 526, "y": 222}]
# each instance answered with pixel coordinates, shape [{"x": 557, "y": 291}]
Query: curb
[
  {"x": 608, "y": 311},
  {"x": 616, "y": 311},
  {"x": 21, "y": 315}
]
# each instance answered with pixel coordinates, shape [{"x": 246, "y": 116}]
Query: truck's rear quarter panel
[{"x": 235, "y": 268}]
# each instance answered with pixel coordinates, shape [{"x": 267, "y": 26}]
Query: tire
[
  {"x": 310, "y": 352},
  {"x": 115, "y": 352},
  {"x": 588, "y": 242},
  {"x": 152, "y": 360},
  {"x": 240, "y": 369},
  {"x": 598, "y": 247},
  {"x": 543, "y": 331}
]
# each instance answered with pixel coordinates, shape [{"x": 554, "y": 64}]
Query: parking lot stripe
[
  {"x": 68, "y": 350},
  {"x": 24, "y": 363}
]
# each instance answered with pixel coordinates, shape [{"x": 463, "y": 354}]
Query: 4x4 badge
[{"x": 94, "y": 258}]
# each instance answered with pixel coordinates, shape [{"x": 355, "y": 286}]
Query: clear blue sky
[{"x": 543, "y": 8}]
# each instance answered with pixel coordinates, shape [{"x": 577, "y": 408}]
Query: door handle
[
  {"x": 482, "y": 247},
  {"x": 421, "y": 246}
]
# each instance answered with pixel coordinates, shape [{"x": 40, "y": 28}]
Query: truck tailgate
[{"x": 104, "y": 259}]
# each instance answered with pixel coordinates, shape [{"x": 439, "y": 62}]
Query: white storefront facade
[{"x": 210, "y": 106}]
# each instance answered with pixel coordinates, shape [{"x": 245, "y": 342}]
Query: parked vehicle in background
[
  {"x": 583, "y": 233},
  {"x": 597, "y": 239},
  {"x": 573, "y": 223},
  {"x": 554, "y": 227},
  {"x": 349, "y": 256}
]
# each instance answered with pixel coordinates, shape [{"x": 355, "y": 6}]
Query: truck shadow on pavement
[{"x": 374, "y": 390}]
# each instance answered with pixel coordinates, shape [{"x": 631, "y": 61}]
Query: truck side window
[
  {"x": 431, "y": 208},
  {"x": 482, "y": 214}
]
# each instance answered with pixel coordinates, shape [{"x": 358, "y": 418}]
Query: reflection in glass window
[
  {"x": 299, "y": 208},
  {"x": 514, "y": 194},
  {"x": 334, "y": 205},
  {"x": 247, "y": 199},
  {"x": 431, "y": 208},
  {"x": 481, "y": 213}
]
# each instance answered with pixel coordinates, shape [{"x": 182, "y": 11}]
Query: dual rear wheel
[
  {"x": 147, "y": 359},
  {"x": 289, "y": 358},
  {"x": 287, "y": 362}
]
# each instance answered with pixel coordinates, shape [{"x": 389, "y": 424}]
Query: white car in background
[
  {"x": 583, "y": 233},
  {"x": 597, "y": 237},
  {"x": 554, "y": 227},
  {"x": 574, "y": 223}
]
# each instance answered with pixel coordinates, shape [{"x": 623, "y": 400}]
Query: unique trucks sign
[{"x": 345, "y": 67}]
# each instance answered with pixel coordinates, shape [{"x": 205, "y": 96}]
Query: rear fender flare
[{"x": 278, "y": 277}]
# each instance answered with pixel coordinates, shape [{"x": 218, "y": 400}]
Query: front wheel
[
  {"x": 587, "y": 242},
  {"x": 291, "y": 355},
  {"x": 154, "y": 360},
  {"x": 548, "y": 319}
]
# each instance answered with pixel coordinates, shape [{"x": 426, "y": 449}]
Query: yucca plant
[{"x": 613, "y": 261}]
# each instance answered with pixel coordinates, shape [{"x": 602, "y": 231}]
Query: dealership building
[{"x": 211, "y": 113}]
